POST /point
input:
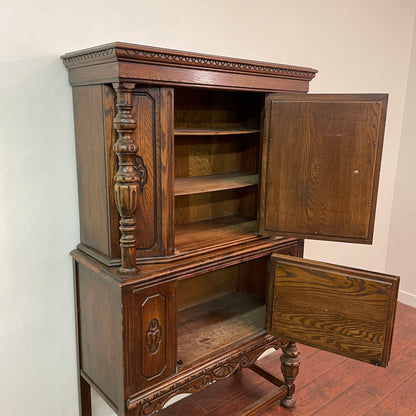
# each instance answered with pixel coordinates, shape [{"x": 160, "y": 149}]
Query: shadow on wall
[{"x": 38, "y": 228}]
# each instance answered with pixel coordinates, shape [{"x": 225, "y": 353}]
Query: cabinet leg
[
  {"x": 84, "y": 398},
  {"x": 290, "y": 362}
]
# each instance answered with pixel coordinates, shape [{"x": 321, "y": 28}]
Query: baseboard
[{"x": 407, "y": 298}]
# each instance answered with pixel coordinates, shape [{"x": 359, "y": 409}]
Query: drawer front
[{"x": 342, "y": 310}]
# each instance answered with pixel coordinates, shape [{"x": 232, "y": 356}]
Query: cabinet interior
[
  {"x": 216, "y": 148},
  {"x": 220, "y": 308}
]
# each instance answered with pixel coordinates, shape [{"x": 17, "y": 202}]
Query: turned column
[
  {"x": 126, "y": 178},
  {"x": 290, "y": 362}
]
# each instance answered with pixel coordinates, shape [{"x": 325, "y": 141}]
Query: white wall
[
  {"x": 358, "y": 46},
  {"x": 403, "y": 223}
]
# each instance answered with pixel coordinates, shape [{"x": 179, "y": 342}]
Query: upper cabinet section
[
  {"x": 321, "y": 163},
  {"x": 123, "y": 62},
  {"x": 168, "y": 148},
  {"x": 180, "y": 152}
]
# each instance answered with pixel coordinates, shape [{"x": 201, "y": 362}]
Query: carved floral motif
[
  {"x": 141, "y": 171},
  {"x": 154, "y": 336},
  {"x": 154, "y": 401}
]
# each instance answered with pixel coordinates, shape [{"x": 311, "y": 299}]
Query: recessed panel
[{"x": 321, "y": 167}]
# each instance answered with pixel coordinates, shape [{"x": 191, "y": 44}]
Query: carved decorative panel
[
  {"x": 149, "y": 336},
  {"x": 153, "y": 339},
  {"x": 145, "y": 166},
  {"x": 150, "y": 403}
]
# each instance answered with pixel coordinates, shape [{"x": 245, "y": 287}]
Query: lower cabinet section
[
  {"x": 172, "y": 329},
  {"x": 179, "y": 326}
]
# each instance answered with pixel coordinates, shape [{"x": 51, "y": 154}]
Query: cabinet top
[{"x": 123, "y": 62}]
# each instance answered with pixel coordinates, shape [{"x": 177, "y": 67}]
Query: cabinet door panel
[
  {"x": 343, "y": 310},
  {"x": 321, "y": 162},
  {"x": 149, "y": 330}
]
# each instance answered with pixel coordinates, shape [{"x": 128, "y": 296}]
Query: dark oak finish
[
  {"x": 88, "y": 113},
  {"x": 290, "y": 362},
  {"x": 97, "y": 167},
  {"x": 121, "y": 61},
  {"x": 99, "y": 301},
  {"x": 85, "y": 398},
  {"x": 153, "y": 111},
  {"x": 212, "y": 183},
  {"x": 150, "y": 342},
  {"x": 190, "y": 167},
  {"x": 213, "y": 132},
  {"x": 130, "y": 324},
  {"x": 357, "y": 306},
  {"x": 129, "y": 179},
  {"x": 322, "y": 164},
  {"x": 217, "y": 324},
  {"x": 208, "y": 233}
]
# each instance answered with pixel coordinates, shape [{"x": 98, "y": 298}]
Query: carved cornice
[
  {"x": 89, "y": 56},
  {"x": 137, "y": 53},
  {"x": 149, "y": 403}
]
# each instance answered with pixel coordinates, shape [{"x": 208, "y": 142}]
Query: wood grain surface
[
  {"x": 212, "y": 183},
  {"x": 321, "y": 165},
  {"x": 338, "y": 309},
  {"x": 214, "y": 325}
]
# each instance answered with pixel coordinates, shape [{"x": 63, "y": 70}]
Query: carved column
[
  {"x": 290, "y": 362},
  {"x": 126, "y": 179}
]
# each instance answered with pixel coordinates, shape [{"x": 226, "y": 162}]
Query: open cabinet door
[
  {"x": 321, "y": 163},
  {"x": 339, "y": 309}
]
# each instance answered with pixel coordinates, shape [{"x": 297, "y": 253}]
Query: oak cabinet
[{"x": 199, "y": 176}]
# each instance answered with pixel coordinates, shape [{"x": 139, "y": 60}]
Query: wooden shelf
[
  {"x": 213, "y": 232},
  {"x": 210, "y": 183},
  {"x": 211, "y": 326},
  {"x": 213, "y": 132}
]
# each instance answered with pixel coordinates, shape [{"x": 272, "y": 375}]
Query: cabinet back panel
[
  {"x": 202, "y": 155},
  {"x": 202, "y": 288},
  {"x": 219, "y": 308},
  {"x": 200, "y": 207},
  {"x": 246, "y": 282},
  {"x": 215, "y": 109},
  {"x": 209, "y": 286}
]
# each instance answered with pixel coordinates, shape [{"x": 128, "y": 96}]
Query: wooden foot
[
  {"x": 84, "y": 398},
  {"x": 290, "y": 362}
]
